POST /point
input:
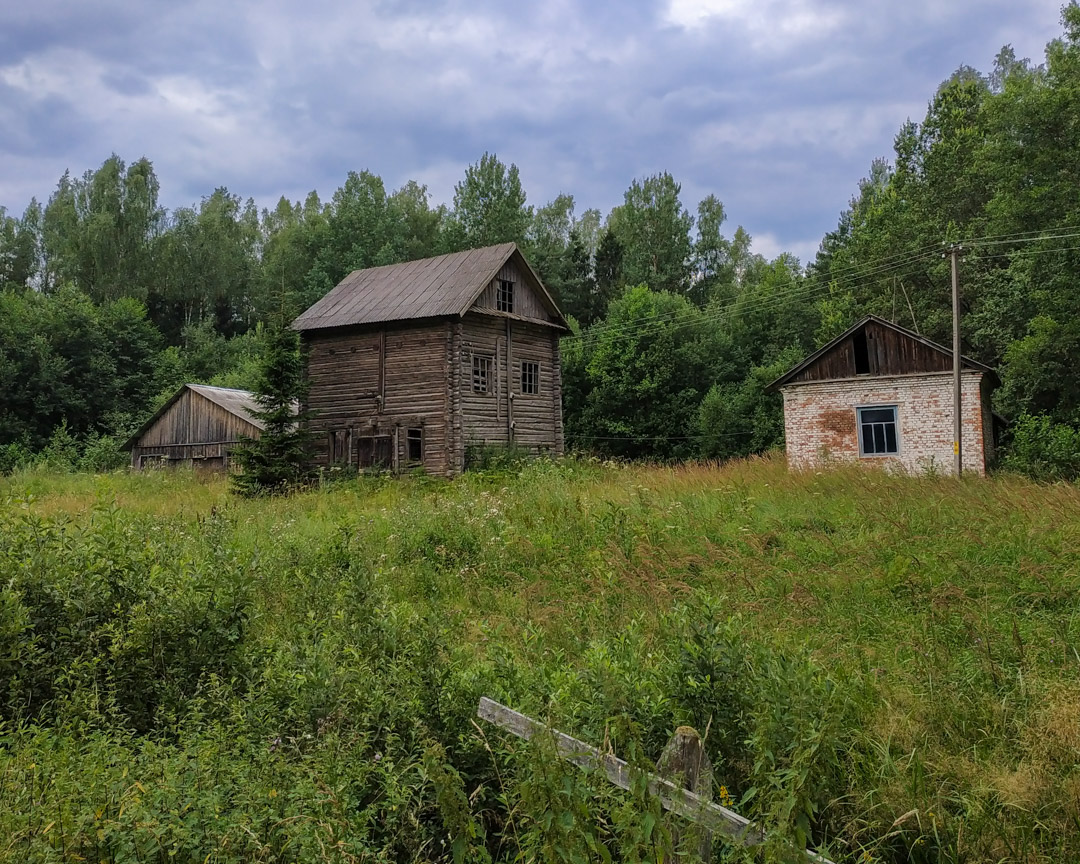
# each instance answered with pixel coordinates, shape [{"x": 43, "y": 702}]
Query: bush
[
  {"x": 101, "y": 453},
  {"x": 1042, "y": 449},
  {"x": 14, "y": 456},
  {"x": 106, "y": 621},
  {"x": 495, "y": 457}
]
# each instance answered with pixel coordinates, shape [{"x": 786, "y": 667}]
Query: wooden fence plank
[{"x": 682, "y": 802}]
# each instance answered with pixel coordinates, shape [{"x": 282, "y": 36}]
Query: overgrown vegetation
[{"x": 883, "y": 665}]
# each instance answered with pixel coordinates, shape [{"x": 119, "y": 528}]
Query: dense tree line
[{"x": 110, "y": 301}]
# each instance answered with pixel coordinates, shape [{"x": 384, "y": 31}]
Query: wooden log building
[
  {"x": 411, "y": 365},
  {"x": 197, "y": 427}
]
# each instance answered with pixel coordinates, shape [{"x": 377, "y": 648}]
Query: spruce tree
[{"x": 279, "y": 460}]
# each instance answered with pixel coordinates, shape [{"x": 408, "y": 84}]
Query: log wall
[
  {"x": 365, "y": 383},
  {"x": 375, "y": 382},
  {"x": 504, "y": 414}
]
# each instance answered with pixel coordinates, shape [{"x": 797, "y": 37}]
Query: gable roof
[
  {"x": 911, "y": 334},
  {"x": 444, "y": 286},
  {"x": 237, "y": 402}
]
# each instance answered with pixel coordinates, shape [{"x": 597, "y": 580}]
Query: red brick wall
[{"x": 820, "y": 421}]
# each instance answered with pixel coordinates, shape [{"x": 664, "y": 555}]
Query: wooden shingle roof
[{"x": 443, "y": 286}]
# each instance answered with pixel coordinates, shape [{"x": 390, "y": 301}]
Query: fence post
[{"x": 684, "y": 761}]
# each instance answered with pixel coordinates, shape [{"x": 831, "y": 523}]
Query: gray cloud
[{"x": 776, "y": 106}]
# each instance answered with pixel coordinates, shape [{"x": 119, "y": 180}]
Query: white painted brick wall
[{"x": 820, "y": 421}]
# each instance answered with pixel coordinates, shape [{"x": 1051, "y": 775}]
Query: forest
[{"x": 109, "y": 301}]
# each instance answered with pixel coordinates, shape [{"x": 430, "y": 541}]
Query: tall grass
[{"x": 885, "y": 665}]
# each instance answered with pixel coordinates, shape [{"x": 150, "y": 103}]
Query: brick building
[{"x": 881, "y": 393}]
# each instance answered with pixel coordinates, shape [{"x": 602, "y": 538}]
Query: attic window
[
  {"x": 504, "y": 297},
  {"x": 862, "y": 352}
]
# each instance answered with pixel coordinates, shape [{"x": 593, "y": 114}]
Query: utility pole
[{"x": 954, "y": 253}]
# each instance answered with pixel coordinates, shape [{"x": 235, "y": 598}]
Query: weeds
[{"x": 885, "y": 666}]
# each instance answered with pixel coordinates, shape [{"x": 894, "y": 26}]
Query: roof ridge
[
  {"x": 439, "y": 286},
  {"x": 219, "y": 387}
]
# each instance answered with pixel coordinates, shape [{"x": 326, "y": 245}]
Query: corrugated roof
[
  {"x": 825, "y": 349},
  {"x": 428, "y": 288},
  {"x": 238, "y": 402}
]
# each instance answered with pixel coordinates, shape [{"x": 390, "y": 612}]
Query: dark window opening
[
  {"x": 504, "y": 298},
  {"x": 374, "y": 452},
  {"x": 338, "y": 446},
  {"x": 414, "y": 445},
  {"x": 530, "y": 377},
  {"x": 481, "y": 374},
  {"x": 877, "y": 431},
  {"x": 862, "y": 353}
]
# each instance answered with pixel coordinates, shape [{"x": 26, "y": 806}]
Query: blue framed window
[{"x": 877, "y": 431}]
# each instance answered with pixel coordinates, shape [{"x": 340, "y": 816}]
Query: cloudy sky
[{"x": 776, "y": 106}]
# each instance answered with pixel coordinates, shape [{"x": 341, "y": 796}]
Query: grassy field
[{"x": 883, "y": 666}]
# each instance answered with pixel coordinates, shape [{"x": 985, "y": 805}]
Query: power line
[
  {"x": 1017, "y": 240},
  {"x": 806, "y": 288},
  {"x": 693, "y": 315},
  {"x": 887, "y": 263},
  {"x": 1018, "y": 237},
  {"x": 1029, "y": 252},
  {"x": 647, "y": 326}
]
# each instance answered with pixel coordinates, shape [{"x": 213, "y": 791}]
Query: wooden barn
[
  {"x": 411, "y": 365},
  {"x": 197, "y": 427},
  {"x": 881, "y": 394}
]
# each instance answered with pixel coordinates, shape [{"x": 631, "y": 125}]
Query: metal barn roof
[
  {"x": 443, "y": 286},
  {"x": 238, "y": 402}
]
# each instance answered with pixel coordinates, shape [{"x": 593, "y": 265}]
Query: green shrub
[
  {"x": 101, "y": 453},
  {"x": 101, "y": 622},
  {"x": 1042, "y": 449},
  {"x": 496, "y": 458},
  {"x": 14, "y": 456}
]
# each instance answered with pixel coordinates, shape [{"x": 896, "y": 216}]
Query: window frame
[
  {"x": 409, "y": 439},
  {"x": 892, "y": 406},
  {"x": 339, "y": 450},
  {"x": 535, "y": 376},
  {"x": 504, "y": 296},
  {"x": 484, "y": 364},
  {"x": 370, "y": 447}
]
